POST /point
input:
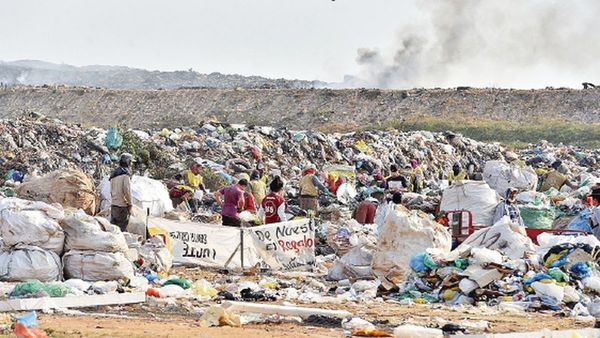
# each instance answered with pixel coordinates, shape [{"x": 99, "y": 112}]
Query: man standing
[
  {"x": 120, "y": 191},
  {"x": 231, "y": 199},
  {"x": 309, "y": 189}
]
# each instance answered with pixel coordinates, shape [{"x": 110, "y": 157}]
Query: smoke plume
[{"x": 510, "y": 43}]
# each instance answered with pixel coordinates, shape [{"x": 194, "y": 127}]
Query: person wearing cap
[
  {"x": 310, "y": 185},
  {"x": 456, "y": 174},
  {"x": 509, "y": 208},
  {"x": 556, "y": 178},
  {"x": 120, "y": 192},
  {"x": 231, "y": 200},
  {"x": 258, "y": 187},
  {"x": 273, "y": 206},
  {"x": 416, "y": 177}
]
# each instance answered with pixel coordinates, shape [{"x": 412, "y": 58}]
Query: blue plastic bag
[
  {"x": 581, "y": 222},
  {"x": 581, "y": 270},
  {"x": 28, "y": 319},
  {"x": 417, "y": 262}
]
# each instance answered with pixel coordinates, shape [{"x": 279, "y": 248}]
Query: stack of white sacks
[
  {"x": 32, "y": 240},
  {"x": 95, "y": 250}
]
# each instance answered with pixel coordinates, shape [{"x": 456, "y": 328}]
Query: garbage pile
[
  {"x": 499, "y": 265},
  {"x": 37, "y": 145}
]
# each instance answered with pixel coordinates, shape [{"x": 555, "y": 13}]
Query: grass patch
[{"x": 512, "y": 133}]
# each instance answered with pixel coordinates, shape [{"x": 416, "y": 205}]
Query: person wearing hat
[
  {"x": 310, "y": 185},
  {"x": 120, "y": 192},
  {"x": 509, "y": 208}
]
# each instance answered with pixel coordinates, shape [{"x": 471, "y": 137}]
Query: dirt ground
[
  {"x": 134, "y": 323},
  {"x": 169, "y": 318}
]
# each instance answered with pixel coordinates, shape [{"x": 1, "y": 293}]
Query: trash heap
[
  {"x": 43, "y": 145},
  {"x": 499, "y": 265}
]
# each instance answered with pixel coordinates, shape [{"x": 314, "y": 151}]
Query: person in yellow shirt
[
  {"x": 416, "y": 177},
  {"x": 456, "y": 174},
  {"x": 258, "y": 187},
  {"x": 191, "y": 188}
]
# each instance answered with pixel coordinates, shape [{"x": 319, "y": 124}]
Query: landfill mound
[{"x": 309, "y": 108}]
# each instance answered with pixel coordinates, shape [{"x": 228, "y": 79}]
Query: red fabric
[
  {"x": 365, "y": 213},
  {"x": 249, "y": 204},
  {"x": 334, "y": 185},
  {"x": 271, "y": 204}
]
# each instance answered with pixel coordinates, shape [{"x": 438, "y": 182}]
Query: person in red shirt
[
  {"x": 365, "y": 212},
  {"x": 249, "y": 204},
  {"x": 273, "y": 206}
]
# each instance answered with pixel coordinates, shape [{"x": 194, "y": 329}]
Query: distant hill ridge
[{"x": 33, "y": 72}]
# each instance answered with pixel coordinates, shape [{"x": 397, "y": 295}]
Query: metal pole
[{"x": 242, "y": 246}]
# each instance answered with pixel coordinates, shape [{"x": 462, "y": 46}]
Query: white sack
[
  {"x": 355, "y": 264},
  {"x": 96, "y": 266},
  {"x": 501, "y": 175},
  {"x": 504, "y": 236},
  {"x": 474, "y": 196},
  {"x": 85, "y": 232},
  {"x": 31, "y": 223},
  {"x": 29, "y": 262},
  {"x": 145, "y": 193},
  {"x": 403, "y": 235}
]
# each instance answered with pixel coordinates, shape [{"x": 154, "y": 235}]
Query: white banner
[
  {"x": 197, "y": 243},
  {"x": 285, "y": 245},
  {"x": 278, "y": 246}
]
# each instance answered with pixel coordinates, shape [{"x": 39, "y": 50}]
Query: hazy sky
[
  {"x": 386, "y": 43},
  {"x": 306, "y": 39}
]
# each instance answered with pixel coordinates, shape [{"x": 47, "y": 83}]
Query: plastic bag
[
  {"x": 171, "y": 291},
  {"x": 114, "y": 140},
  {"x": 184, "y": 283},
  {"x": 581, "y": 270},
  {"x": 202, "y": 288},
  {"x": 484, "y": 256}
]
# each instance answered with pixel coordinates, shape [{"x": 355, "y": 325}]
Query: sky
[
  {"x": 305, "y": 39},
  {"x": 382, "y": 43}
]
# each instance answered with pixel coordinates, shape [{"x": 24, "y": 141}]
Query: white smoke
[{"x": 509, "y": 43}]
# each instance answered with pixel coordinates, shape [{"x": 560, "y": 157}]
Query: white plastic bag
[
  {"x": 25, "y": 262},
  {"x": 484, "y": 256},
  {"x": 501, "y": 175},
  {"x": 96, "y": 266},
  {"x": 145, "y": 192},
  {"x": 85, "y": 232}
]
